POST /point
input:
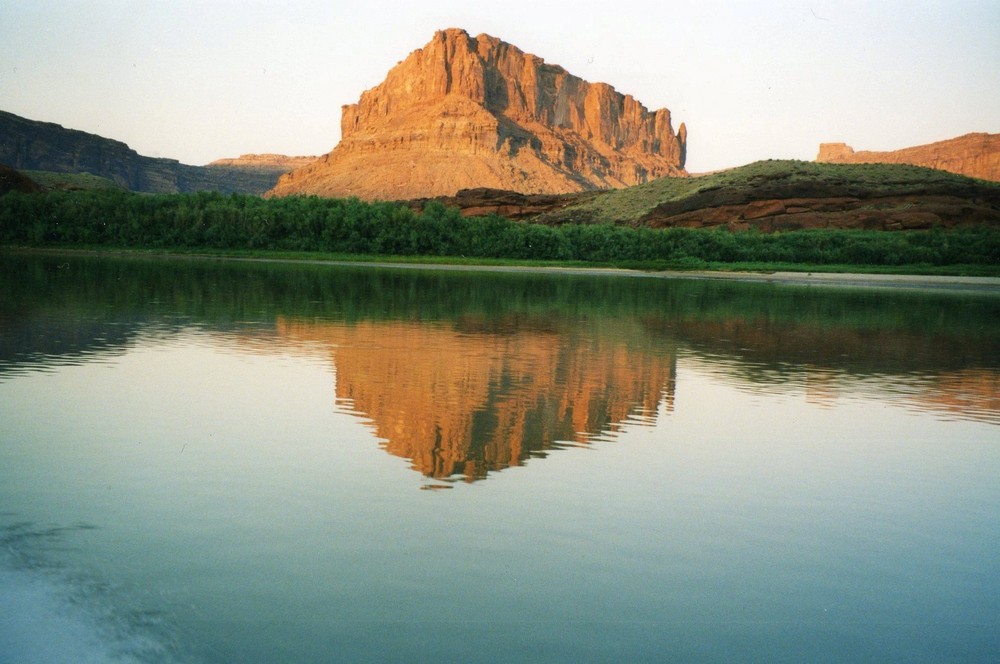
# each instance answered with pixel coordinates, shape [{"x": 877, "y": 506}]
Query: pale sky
[{"x": 200, "y": 80}]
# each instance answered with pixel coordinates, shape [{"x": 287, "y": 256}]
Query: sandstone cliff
[
  {"x": 974, "y": 155},
  {"x": 466, "y": 112},
  {"x": 43, "y": 146}
]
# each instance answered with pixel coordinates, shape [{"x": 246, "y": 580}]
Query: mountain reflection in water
[
  {"x": 464, "y": 374},
  {"x": 476, "y": 396}
]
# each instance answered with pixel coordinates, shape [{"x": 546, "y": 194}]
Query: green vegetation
[
  {"x": 771, "y": 179},
  {"x": 351, "y": 227},
  {"x": 71, "y": 181}
]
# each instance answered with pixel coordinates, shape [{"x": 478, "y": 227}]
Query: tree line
[{"x": 349, "y": 226}]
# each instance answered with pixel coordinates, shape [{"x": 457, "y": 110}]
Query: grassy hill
[{"x": 819, "y": 195}]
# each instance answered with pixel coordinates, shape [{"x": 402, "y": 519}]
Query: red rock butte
[{"x": 466, "y": 112}]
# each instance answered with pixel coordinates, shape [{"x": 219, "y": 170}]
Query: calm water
[{"x": 233, "y": 462}]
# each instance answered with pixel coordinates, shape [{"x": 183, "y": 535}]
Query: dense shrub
[{"x": 350, "y": 226}]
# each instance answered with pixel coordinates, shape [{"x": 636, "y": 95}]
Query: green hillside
[
  {"x": 72, "y": 181},
  {"x": 772, "y": 179}
]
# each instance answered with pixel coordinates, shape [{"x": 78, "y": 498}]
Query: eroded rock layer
[
  {"x": 466, "y": 112},
  {"x": 974, "y": 155}
]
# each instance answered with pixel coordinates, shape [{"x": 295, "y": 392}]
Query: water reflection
[
  {"x": 478, "y": 396},
  {"x": 465, "y": 374}
]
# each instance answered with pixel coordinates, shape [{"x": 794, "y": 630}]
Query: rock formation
[
  {"x": 279, "y": 163},
  {"x": 44, "y": 146},
  {"x": 974, "y": 155},
  {"x": 11, "y": 180},
  {"x": 466, "y": 112},
  {"x": 775, "y": 196}
]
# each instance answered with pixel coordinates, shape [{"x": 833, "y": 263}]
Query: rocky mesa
[
  {"x": 465, "y": 112},
  {"x": 974, "y": 155}
]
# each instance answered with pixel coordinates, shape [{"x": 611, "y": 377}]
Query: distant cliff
[
  {"x": 466, "y": 112},
  {"x": 974, "y": 155},
  {"x": 279, "y": 163},
  {"x": 43, "y": 146}
]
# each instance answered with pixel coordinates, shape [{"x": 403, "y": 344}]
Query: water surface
[{"x": 222, "y": 462}]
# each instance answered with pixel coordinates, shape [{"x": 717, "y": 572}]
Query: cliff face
[
  {"x": 466, "y": 112},
  {"x": 43, "y": 146},
  {"x": 974, "y": 155}
]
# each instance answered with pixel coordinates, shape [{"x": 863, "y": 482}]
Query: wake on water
[{"x": 52, "y": 616}]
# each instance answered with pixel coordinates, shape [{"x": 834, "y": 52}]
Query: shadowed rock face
[
  {"x": 43, "y": 146},
  {"x": 466, "y": 112},
  {"x": 974, "y": 155},
  {"x": 11, "y": 180}
]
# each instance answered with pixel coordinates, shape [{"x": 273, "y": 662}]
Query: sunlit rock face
[
  {"x": 466, "y": 112},
  {"x": 267, "y": 161},
  {"x": 460, "y": 401},
  {"x": 974, "y": 155}
]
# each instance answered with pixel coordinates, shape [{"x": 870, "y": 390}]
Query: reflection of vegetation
[
  {"x": 508, "y": 364},
  {"x": 234, "y": 293},
  {"x": 210, "y": 220},
  {"x": 214, "y": 290}
]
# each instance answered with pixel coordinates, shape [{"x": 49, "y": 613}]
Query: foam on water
[
  {"x": 38, "y": 625},
  {"x": 50, "y": 616}
]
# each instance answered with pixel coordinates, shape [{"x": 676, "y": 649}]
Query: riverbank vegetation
[{"x": 350, "y": 227}]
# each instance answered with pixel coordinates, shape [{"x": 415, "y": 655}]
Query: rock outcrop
[
  {"x": 44, "y": 146},
  {"x": 12, "y": 180},
  {"x": 974, "y": 155},
  {"x": 466, "y": 112},
  {"x": 886, "y": 213},
  {"x": 481, "y": 201}
]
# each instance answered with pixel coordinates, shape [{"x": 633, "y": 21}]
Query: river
[{"x": 220, "y": 461}]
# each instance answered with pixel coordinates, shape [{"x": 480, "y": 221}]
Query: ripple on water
[{"x": 54, "y": 614}]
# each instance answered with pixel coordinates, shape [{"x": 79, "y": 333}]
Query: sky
[{"x": 201, "y": 80}]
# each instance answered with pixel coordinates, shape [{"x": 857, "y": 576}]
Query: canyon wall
[{"x": 466, "y": 112}]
